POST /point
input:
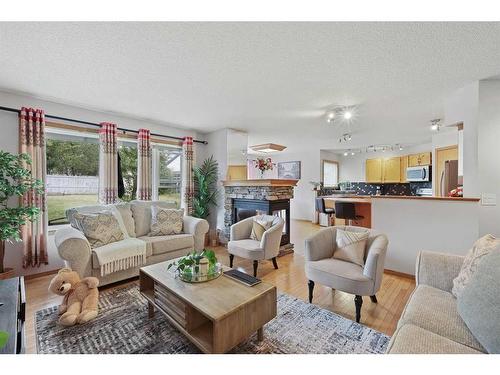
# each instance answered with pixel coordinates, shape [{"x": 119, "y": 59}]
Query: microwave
[{"x": 421, "y": 173}]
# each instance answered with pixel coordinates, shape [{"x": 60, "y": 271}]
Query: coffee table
[{"x": 215, "y": 315}]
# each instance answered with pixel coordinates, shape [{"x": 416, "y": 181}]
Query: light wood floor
[{"x": 289, "y": 278}]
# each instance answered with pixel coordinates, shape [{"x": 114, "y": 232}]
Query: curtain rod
[{"x": 18, "y": 111}]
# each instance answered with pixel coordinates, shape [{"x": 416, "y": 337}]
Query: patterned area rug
[{"x": 123, "y": 327}]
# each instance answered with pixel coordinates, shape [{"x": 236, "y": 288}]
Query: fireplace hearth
[{"x": 245, "y": 198}]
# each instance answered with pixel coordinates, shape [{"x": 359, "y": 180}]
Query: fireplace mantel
[{"x": 260, "y": 182}]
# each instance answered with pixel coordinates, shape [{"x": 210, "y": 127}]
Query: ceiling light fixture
[
  {"x": 330, "y": 116},
  {"x": 345, "y": 137},
  {"x": 346, "y": 153},
  {"x": 436, "y": 124},
  {"x": 347, "y": 115},
  {"x": 340, "y": 113},
  {"x": 267, "y": 148}
]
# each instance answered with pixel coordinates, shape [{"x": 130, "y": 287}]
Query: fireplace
[
  {"x": 245, "y": 198},
  {"x": 280, "y": 208}
]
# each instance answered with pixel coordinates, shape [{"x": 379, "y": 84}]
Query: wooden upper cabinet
[
  {"x": 392, "y": 170},
  {"x": 404, "y": 165},
  {"x": 373, "y": 170},
  {"x": 423, "y": 158}
]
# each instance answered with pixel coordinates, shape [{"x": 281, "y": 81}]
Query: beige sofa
[
  {"x": 75, "y": 249},
  {"x": 430, "y": 322}
]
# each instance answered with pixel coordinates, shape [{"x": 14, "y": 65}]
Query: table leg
[
  {"x": 260, "y": 334},
  {"x": 151, "y": 310}
]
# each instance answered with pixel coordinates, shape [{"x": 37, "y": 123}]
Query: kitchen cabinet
[
  {"x": 383, "y": 170},
  {"x": 373, "y": 170},
  {"x": 416, "y": 160},
  {"x": 391, "y": 170},
  {"x": 404, "y": 165}
]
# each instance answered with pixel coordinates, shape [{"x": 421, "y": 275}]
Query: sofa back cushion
[
  {"x": 121, "y": 211},
  {"x": 100, "y": 229},
  {"x": 166, "y": 221},
  {"x": 479, "y": 303},
  {"x": 141, "y": 211}
]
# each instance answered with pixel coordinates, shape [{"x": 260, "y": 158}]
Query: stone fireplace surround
[{"x": 255, "y": 190}]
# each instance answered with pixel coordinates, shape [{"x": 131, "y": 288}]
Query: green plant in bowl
[{"x": 189, "y": 267}]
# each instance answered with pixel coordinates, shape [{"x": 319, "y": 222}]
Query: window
[
  {"x": 127, "y": 153},
  {"x": 330, "y": 173},
  {"x": 72, "y": 172},
  {"x": 167, "y": 174}
]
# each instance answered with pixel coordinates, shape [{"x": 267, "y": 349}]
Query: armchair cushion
[
  {"x": 248, "y": 249},
  {"x": 259, "y": 225},
  {"x": 341, "y": 275},
  {"x": 351, "y": 246}
]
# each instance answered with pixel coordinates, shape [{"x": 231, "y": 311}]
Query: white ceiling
[{"x": 273, "y": 79}]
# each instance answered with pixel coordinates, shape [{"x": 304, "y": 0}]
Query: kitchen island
[
  {"x": 362, "y": 206},
  {"x": 413, "y": 223}
]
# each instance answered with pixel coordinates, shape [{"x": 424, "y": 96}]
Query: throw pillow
[
  {"x": 100, "y": 228},
  {"x": 479, "y": 303},
  {"x": 351, "y": 246},
  {"x": 166, "y": 221},
  {"x": 259, "y": 226},
  {"x": 482, "y": 247}
]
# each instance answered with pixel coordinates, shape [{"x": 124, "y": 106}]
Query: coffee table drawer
[{"x": 171, "y": 305}]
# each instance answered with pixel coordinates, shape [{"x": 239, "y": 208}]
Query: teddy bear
[{"x": 81, "y": 297}]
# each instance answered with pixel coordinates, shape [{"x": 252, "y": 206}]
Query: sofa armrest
[
  {"x": 198, "y": 228},
  {"x": 241, "y": 230},
  {"x": 437, "y": 270},
  {"x": 271, "y": 240},
  {"x": 75, "y": 249},
  {"x": 320, "y": 245}
]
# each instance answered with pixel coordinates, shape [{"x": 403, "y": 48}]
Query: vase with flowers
[{"x": 263, "y": 165}]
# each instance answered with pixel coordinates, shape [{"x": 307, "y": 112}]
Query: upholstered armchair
[
  {"x": 240, "y": 243},
  {"x": 321, "y": 267}
]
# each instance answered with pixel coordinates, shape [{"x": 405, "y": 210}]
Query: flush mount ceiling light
[
  {"x": 267, "y": 148},
  {"x": 330, "y": 116},
  {"x": 340, "y": 113},
  {"x": 436, "y": 124}
]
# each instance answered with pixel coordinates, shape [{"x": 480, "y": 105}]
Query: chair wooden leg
[
  {"x": 275, "y": 263},
  {"x": 310, "y": 284},
  {"x": 374, "y": 298},
  {"x": 231, "y": 258},
  {"x": 358, "y": 301},
  {"x": 255, "y": 265}
]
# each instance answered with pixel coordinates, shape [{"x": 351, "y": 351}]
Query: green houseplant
[
  {"x": 190, "y": 266},
  {"x": 15, "y": 181},
  {"x": 205, "y": 187}
]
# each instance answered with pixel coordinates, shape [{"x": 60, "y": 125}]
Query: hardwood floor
[{"x": 289, "y": 278}]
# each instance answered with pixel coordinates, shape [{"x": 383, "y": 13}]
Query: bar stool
[
  {"x": 346, "y": 211},
  {"x": 320, "y": 207}
]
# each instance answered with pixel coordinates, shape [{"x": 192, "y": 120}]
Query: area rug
[{"x": 123, "y": 327}]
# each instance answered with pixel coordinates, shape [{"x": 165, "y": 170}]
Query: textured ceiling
[{"x": 273, "y": 79}]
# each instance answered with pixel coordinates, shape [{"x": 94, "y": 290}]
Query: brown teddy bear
[{"x": 80, "y": 296}]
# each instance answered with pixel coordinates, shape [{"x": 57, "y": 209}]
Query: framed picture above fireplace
[{"x": 289, "y": 170}]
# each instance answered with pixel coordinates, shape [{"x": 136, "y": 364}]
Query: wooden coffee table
[{"x": 216, "y": 315}]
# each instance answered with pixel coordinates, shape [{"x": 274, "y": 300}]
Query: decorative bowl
[{"x": 197, "y": 274}]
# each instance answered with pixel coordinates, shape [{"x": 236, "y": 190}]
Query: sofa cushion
[
  {"x": 410, "y": 339},
  {"x": 481, "y": 248},
  {"x": 119, "y": 246},
  {"x": 248, "y": 249},
  {"x": 339, "y": 274},
  {"x": 141, "y": 211},
  {"x": 166, "y": 221},
  {"x": 435, "y": 310},
  {"x": 351, "y": 246},
  {"x": 479, "y": 303},
  {"x": 164, "y": 244},
  {"x": 128, "y": 219},
  {"x": 260, "y": 224},
  {"x": 100, "y": 229}
]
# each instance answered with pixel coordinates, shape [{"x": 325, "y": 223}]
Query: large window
[
  {"x": 72, "y": 172},
  {"x": 167, "y": 174},
  {"x": 330, "y": 173}
]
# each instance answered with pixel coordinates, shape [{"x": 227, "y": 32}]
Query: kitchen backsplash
[{"x": 363, "y": 188}]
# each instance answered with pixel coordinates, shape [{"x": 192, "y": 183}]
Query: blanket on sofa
[{"x": 121, "y": 255}]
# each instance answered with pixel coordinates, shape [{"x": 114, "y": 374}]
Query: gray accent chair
[
  {"x": 74, "y": 248},
  {"x": 241, "y": 245},
  {"x": 321, "y": 267}
]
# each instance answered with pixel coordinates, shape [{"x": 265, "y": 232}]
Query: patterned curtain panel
[
  {"x": 32, "y": 142},
  {"x": 108, "y": 163},
  {"x": 187, "y": 175},
  {"x": 144, "y": 165}
]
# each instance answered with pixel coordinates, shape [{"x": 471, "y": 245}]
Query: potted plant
[
  {"x": 15, "y": 181},
  {"x": 205, "y": 189},
  {"x": 197, "y": 267}
]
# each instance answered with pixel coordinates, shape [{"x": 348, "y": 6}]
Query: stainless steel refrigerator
[{"x": 449, "y": 177}]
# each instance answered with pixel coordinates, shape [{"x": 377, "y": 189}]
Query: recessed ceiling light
[
  {"x": 352, "y": 153},
  {"x": 330, "y": 116},
  {"x": 345, "y": 153},
  {"x": 347, "y": 115}
]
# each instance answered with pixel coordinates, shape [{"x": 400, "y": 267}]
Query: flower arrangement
[{"x": 264, "y": 165}]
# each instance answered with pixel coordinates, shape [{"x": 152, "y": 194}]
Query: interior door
[{"x": 442, "y": 155}]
